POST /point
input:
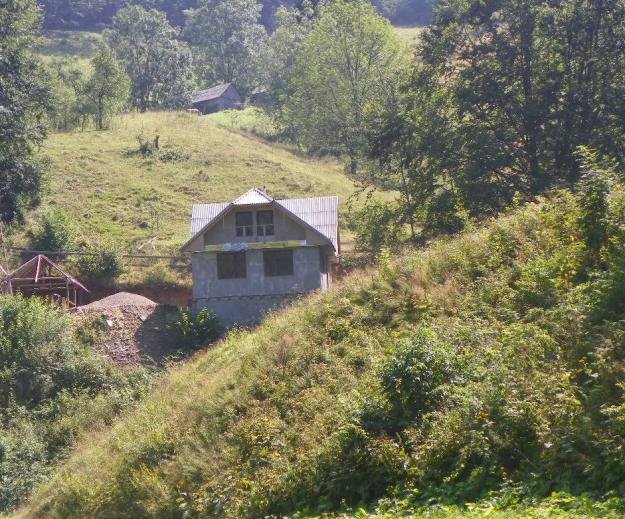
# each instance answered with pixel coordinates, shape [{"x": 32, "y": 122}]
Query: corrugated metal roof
[
  {"x": 202, "y": 214},
  {"x": 213, "y": 92},
  {"x": 320, "y": 213}
]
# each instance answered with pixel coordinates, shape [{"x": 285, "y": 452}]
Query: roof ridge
[{"x": 255, "y": 191}]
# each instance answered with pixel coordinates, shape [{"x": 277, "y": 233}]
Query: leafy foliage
[
  {"x": 52, "y": 386},
  {"x": 347, "y": 62},
  {"x": 57, "y": 232},
  {"x": 227, "y": 40},
  {"x": 159, "y": 65},
  {"x": 24, "y": 98},
  {"x": 502, "y": 95},
  {"x": 194, "y": 330},
  {"x": 101, "y": 265}
]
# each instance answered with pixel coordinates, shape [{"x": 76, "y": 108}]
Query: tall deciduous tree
[
  {"x": 280, "y": 57},
  {"x": 503, "y": 93},
  {"x": 159, "y": 66},
  {"x": 227, "y": 39},
  {"x": 347, "y": 63},
  {"x": 108, "y": 87},
  {"x": 24, "y": 95},
  {"x": 532, "y": 82}
]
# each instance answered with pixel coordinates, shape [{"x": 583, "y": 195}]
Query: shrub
[
  {"x": 102, "y": 266},
  {"x": 377, "y": 225},
  {"x": 39, "y": 355},
  {"x": 195, "y": 330},
  {"x": 52, "y": 386},
  {"x": 159, "y": 274},
  {"x": 56, "y": 232}
]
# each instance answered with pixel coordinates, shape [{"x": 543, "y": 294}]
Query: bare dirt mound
[{"x": 135, "y": 329}]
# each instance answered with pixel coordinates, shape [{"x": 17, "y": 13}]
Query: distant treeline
[{"x": 97, "y": 14}]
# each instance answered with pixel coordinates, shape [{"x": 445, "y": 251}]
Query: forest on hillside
[{"x": 95, "y": 15}]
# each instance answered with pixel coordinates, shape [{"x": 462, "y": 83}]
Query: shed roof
[
  {"x": 211, "y": 93},
  {"x": 34, "y": 267},
  {"x": 319, "y": 213}
]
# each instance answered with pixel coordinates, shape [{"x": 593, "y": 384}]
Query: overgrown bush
[
  {"x": 194, "y": 330},
  {"x": 53, "y": 386},
  {"x": 39, "y": 355},
  {"x": 100, "y": 266},
  {"x": 56, "y": 231},
  {"x": 376, "y": 225}
]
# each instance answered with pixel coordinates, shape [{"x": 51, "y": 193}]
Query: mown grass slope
[
  {"x": 118, "y": 194},
  {"x": 486, "y": 368}
]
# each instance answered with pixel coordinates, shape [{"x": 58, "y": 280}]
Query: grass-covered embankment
[{"x": 486, "y": 368}]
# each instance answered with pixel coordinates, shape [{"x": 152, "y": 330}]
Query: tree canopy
[
  {"x": 24, "y": 94},
  {"x": 159, "y": 65},
  {"x": 97, "y": 14},
  {"x": 345, "y": 65},
  {"x": 503, "y": 93},
  {"x": 227, "y": 39}
]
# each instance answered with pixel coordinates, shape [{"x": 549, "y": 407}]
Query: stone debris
[
  {"x": 137, "y": 329},
  {"x": 120, "y": 299}
]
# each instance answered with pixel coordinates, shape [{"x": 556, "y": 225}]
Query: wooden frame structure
[{"x": 40, "y": 276}]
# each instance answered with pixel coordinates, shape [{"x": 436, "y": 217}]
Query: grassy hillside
[
  {"x": 410, "y": 34},
  {"x": 117, "y": 193},
  {"x": 488, "y": 369}
]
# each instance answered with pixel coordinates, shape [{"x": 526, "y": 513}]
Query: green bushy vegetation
[
  {"x": 53, "y": 386},
  {"x": 486, "y": 369},
  {"x": 197, "y": 330}
]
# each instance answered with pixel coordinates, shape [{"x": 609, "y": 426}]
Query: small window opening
[
  {"x": 278, "y": 262},
  {"x": 264, "y": 223},
  {"x": 231, "y": 265},
  {"x": 244, "y": 224}
]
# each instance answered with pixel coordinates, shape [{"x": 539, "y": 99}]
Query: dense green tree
[
  {"x": 66, "y": 110},
  {"x": 159, "y": 66},
  {"x": 503, "y": 94},
  {"x": 281, "y": 54},
  {"x": 94, "y": 14},
  {"x": 347, "y": 64},
  {"x": 107, "y": 88},
  {"x": 24, "y": 95},
  {"x": 227, "y": 40}
]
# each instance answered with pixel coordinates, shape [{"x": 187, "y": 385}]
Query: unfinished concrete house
[{"x": 256, "y": 253}]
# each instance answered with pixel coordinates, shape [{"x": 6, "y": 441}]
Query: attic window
[
  {"x": 264, "y": 223},
  {"x": 244, "y": 224}
]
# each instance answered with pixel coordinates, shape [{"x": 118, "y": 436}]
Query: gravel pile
[
  {"x": 120, "y": 299},
  {"x": 135, "y": 327}
]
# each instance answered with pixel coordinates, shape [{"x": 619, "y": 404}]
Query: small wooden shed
[
  {"x": 217, "y": 98},
  {"x": 40, "y": 276}
]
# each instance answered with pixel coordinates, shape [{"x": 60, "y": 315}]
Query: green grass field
[
  {"x": 77, "y": 46},
  {"x": 117, "y": 194},
  {"x": 410, "y": 34}
]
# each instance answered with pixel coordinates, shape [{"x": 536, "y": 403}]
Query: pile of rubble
[{"x": 136, "y": 328}]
